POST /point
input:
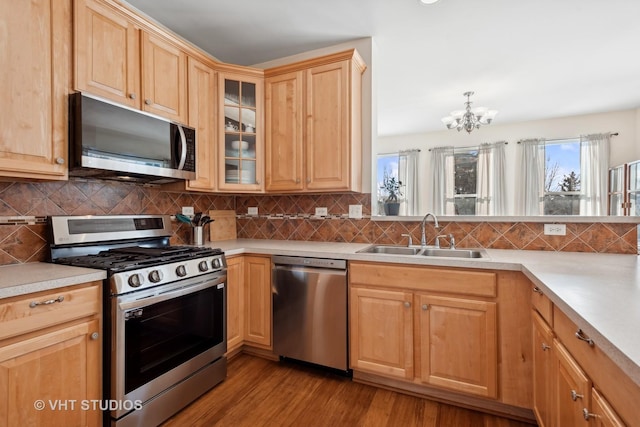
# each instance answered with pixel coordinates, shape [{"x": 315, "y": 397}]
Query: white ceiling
[{"x": 529, "y": 59}]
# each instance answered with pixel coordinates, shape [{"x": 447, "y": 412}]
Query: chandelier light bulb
[{"x": 469, "y": 119}]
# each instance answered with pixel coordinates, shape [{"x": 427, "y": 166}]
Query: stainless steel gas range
[{"x": 164, "y": 312}]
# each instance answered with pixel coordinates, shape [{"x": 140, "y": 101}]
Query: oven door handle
[{"x": 143, "y": 301}]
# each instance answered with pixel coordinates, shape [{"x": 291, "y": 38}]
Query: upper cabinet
[
  {"x": 116, "y": 59},
  {"x": 313, "y": 124},
  {"x": 34, "y": 85},
  {"x": 240, "y": 125}
]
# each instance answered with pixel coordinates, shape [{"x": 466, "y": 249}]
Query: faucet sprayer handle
[{"x": 410, "y": 239}]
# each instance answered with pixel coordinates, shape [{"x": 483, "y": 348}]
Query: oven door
[{"x": 163, "y": 335}]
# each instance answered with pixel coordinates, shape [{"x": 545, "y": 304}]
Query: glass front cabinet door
[{"x": 241, "y": 153}]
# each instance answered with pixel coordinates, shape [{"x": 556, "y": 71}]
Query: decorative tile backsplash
[
  {"x": 291, "y": 218},
  {"x": 24, "y": 206}
]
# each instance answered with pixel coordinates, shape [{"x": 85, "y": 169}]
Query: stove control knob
[
  {"x": 203, "y": 266},
  {"x": 181, "y": 271},
  {"x": 155, "y": 276},
  {"x": 215, "y": 263},
  {"x": 135, "y": 280}
]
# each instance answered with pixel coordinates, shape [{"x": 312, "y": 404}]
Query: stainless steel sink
[
  {"x": 393, "y": 250},
  {"x": 454, "y": 253}
]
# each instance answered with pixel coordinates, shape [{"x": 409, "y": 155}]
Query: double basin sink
[{"x": 428, "y": 251}]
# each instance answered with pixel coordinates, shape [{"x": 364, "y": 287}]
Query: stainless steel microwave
[{"x": 110, "y": 141}]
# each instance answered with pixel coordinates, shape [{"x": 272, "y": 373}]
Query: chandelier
[{"x": 469, "y": 119}]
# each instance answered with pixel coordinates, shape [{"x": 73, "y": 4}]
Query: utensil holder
[{"x": 198, "y": 235}]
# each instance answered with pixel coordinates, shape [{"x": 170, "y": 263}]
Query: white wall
[
  {"x": 624, "y": 147},
  {"x": 366, "y": 49}
]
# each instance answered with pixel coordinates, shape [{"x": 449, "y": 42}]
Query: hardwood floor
[{"x": 260, "y": 392}]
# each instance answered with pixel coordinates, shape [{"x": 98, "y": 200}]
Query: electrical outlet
[
  {"x": 252, "y": 210},
  {"x": 355, "y": 211},
  {"x": 321, "y": 212},
  {"x": 188, "y": 210},
  {"x": 555, "y": 229}
]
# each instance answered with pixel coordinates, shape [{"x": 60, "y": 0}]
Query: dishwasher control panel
[{"x": 338, "y": 264}]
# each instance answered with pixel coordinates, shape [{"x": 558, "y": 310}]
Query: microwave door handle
[{"x": 183, "y": 150}]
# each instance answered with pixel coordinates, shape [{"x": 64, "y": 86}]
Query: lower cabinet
[
  {"x": 572, "y": 376},
  {"x": 50, "y": 374},
  {"x": 249, "y": 302},
  {"x": 425, "y": 326}
]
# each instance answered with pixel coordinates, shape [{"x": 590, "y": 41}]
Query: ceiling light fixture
[
  {"x": 427, "y": 1},
  {"x": 468, "y": 119}
]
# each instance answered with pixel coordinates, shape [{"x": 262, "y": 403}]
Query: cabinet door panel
[
  {"x": 381, "y": 332},
  {"x": 458, "y": 347},
  {"x": 329, "y": 155},
  {"x": 107, "y": 53},
  {"x": 202, "y": 92},
  {"x": 284, "y": 147},
  {"x": 572, "y": 389},
  {"x": 164, "y": 77},
  {"x": 257, "y": 274},
  {"x": 35, "y": 81},
  {"x": 235, "y": 299},
  {"x": 59, "y": 366},
  {"x": 604, "y": 415},
  {"x": 542, "y": 371}
]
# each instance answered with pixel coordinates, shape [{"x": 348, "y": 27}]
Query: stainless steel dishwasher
[{"x": 310, "y": 310}]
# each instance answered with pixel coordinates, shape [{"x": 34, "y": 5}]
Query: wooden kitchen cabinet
[
  {"x": 116, "y": 58},
  {"x": 257, "y": 301},
  {"x": 571, "y": 389},
  {"x": 602, "y": 414},
  {"x": 543, "y": 371},
  {"x": 33, "y": 123},
  {"x": 240, "y": 129},
  {"x": 462, "y": 327},
  {"x": 381, "y": 325},
  {"x": 51, "y": 353},
  {"x": 313, "y": 135},
  {"x": 202, "y": 117},
  {"x": 235, "y": 303}
]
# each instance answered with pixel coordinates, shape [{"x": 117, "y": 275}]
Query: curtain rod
[
  {"x": 569, "y": 139},
  {"x": 475, "y": 147},
  {"x": 398, "y": 152}
]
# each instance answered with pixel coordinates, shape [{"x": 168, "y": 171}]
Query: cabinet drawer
[
  {"x": 621, "y": 392},
  {"x": 40, "y": 310},
  {"x": 542, "y": 304},
  {"x": 458, "y": 281}
]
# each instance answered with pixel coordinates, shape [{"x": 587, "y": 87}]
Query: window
[
  {"x": 465, "y": 181},
  {"x": 387, "y": 165},
  {"x": 562, "y": 177}
]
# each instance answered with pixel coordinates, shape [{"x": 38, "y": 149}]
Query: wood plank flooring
[{"x": 260, "y": 392}]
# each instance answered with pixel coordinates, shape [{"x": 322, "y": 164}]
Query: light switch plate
[
  {"x": 321, "y": 212},
  {"x": 355, "y": 211},
  {"x": 188, "y": 210},
  {"x": 252, "y": 211},
  {"x": 555, "y": 229}
]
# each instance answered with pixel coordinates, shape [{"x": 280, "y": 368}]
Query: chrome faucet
[
  {"x": 452, "y": 240},
  {"x": 423, "y": 241}
]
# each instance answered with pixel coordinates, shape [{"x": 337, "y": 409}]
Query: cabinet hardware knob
[
  {"x": 425, "y": 307},
  {"x": 407, "y": 304},
  {"x": 132, "y": 95},
  {"x": 581, "y": 336},
  {"x": 95, "y": 336},
  {"x": 545, "y": 347},
  {"x": 47, "y": 302},
  {"x": 586, "y": 414},
  {"x": 297, "y": 180},
  {"x": 258, "y": 181},
  {"x": 537, "y": 290},
  {"x": 308, "y": 180},
  {"x": 147, "y": 101},
  {"x": 60, "y": 160},
  {"x": 575, "y": 396}
]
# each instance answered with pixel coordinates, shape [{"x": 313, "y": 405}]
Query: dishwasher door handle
[{"x": 317, "y": 270}]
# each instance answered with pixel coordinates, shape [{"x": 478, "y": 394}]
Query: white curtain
[
  {"x": 532, "y": 176},
  {"x": 408, "y": 175},
  {"x": 490, "y": 189},
  {"x": 594, "y": 165},
  {"x": 442, "y": 165}
]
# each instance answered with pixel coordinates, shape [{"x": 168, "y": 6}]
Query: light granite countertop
[
  {"x": 21, "y": 279},
  {"x": 599, "y": 292}
]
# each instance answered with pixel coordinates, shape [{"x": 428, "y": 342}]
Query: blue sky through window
[{"x": 567, "y": 157}]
